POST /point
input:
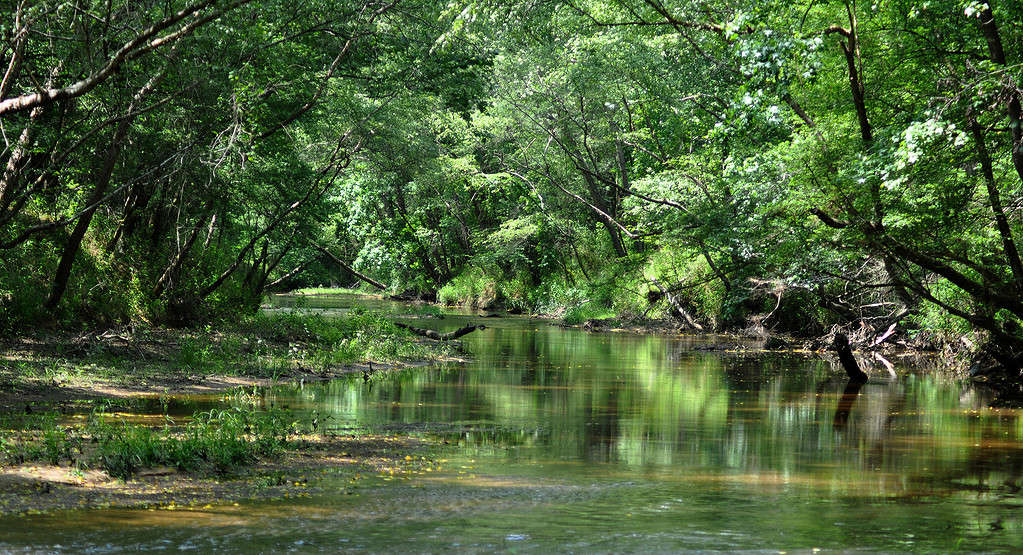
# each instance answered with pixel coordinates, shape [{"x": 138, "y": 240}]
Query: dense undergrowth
[
  {"x": 629, "y": 291},
  {"x": 595, "y": 286}
]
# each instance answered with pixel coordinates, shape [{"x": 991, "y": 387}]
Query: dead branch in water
[
  {"x": 441, "y": 336},
  {"x": 845, "y": 355}
]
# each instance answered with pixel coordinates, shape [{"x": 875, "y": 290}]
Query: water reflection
[
  {"x": 539, "y": 394},
  {"x": 845, "y": 404}
]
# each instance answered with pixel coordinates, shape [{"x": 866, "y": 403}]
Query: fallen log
[{"x": 431, "y": 334}]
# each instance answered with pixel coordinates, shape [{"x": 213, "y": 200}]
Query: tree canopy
[{"x": 792, "y": 166}]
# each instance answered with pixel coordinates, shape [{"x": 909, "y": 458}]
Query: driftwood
[
  {"x": 441, "y": 336},
  {"x": 845, "y": 356}
]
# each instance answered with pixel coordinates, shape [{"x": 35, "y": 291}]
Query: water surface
[{"x": 574, "y": 441}]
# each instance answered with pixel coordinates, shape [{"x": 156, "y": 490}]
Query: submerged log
[
  {"x": 431, "y": 334},
  {"x": 845, "y": 356}
]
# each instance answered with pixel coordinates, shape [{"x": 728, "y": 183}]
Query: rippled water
[{"x": 572, "y": 441}]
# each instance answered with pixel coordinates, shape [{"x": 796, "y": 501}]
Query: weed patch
[{"x": 217, "y": 441}]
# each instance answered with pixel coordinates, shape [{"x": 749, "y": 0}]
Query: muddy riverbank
[{"x": 64, "y": 368}]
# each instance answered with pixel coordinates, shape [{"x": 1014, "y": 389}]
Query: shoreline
[
  {"x": 147, "y": 364},
  {"x": 36, "y": 391},
  {"x": 273, "y": 349},
  {"x": 51, "y": 375},
  {"x": 316, "y": 464}
]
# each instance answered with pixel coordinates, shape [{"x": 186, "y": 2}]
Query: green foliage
[
  {"x": 553, "y": 295},
  {"x": 471, "y": 288},
  {"x": 935, "y": 319},
  {"x": 525, "y": 156},
  {"x": 580, "y": 313}
]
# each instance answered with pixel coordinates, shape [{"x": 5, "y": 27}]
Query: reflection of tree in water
[
  {"x": 649, "y": 402},
  {"x": 993, "y": 467},
  {"x": 602, "y": 426},
  {"x": 923, "y": 439},
  {"x": 754, "y": 370},
  {"x": 845, "y": 404}
]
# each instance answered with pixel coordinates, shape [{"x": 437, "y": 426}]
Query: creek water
[{"x": 564, "y": 440}]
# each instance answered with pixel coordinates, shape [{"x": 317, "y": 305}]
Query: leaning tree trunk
[
  {"x": 845, "y": 356},
  {"x": 74, "y": 242},
  {"x": 349, "y": 269},
  {"x": 677, "y": 311}
]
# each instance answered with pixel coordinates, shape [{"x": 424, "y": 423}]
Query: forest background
[{"x": 776, "y": 167}]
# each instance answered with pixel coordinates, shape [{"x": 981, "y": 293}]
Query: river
[{"x": 565, "y": 440}]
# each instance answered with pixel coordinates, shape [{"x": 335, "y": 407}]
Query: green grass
[{"x": 217, "y": 441}]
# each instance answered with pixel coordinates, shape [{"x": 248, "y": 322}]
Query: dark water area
[{"x": 564, "y": 440}]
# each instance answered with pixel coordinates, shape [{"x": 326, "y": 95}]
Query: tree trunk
[
  {"x": 9, "y": 180},
  {"x": 351, "y": 270},
  {"x": 994, "y": 198},
  {"x": 74, "y": 242},
  {"x": 845, "y": 356},
  {"x": 997, "y": 55},
  {"x": 677, "y": 311},
  {"x": 606, "y": 218},
  {"x": 856, "y": 87},
  {"x": 259, "y": 287},
  {"x": 294, "y": 272},
  {"x": 179, "y": 259}
]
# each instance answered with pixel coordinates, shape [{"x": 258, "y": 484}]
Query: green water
[{"x": 563, "y": 440}]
